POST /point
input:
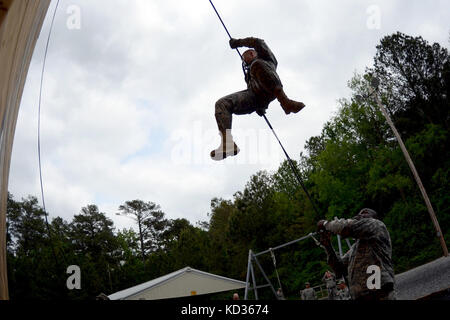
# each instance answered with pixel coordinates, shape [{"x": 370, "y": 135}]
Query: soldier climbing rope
[{"x": 222, "y": 109}]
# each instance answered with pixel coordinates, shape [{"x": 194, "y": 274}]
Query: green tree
[
  {"x": 415, "y": 81},
  {"x": 150, "y": 220},
  {"x": 96, "y": 248}
]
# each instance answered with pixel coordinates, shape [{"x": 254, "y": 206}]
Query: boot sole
[
  {"x": 295, "y": 110},
  {"x": 225, "y": 155}
]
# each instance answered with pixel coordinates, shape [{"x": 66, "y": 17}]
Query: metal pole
[
  {"x": 247, "y": 279},
  {"x": 415, "y": 174},
  {"x": 265, "y": 276},
  {"x": 255, "y": 290},
  {"x": 348, "y": 243},
  {"x": 284, "y": 245},
  {"x": 339, "y": 245}
]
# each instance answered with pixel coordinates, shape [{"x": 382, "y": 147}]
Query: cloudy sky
[{"x": 130, "y": 86}]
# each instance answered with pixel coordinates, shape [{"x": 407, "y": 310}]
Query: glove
[
  {"x": 234, "y": 43},
  {"x": 325, "y": 238},
  {"x": 321, "y": 225},
  {"x": 261, "y": 112}
]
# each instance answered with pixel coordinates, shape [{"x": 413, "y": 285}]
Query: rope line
[
  {"x": 39, "y": 134},
  {"x": 223, "y": 24},
  {"x": 244, "y": 65},
  {"x": 293, "y": 167},
  {"x": 39, "y": 108},
  {"x": 276, "y": 270}
]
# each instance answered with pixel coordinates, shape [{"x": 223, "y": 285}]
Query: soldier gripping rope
[
  {"x": 372, "y": 248},
  {"x": 263, "y": 86}
]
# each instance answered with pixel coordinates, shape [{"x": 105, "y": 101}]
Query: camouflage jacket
[
  {"x": 372, "y": 247},
  {"x": 308, "y": 294},
  {"x": 262, "y": 77},
  {"x": 343, "y": 294},
  {"x": 329, "y": 281}
]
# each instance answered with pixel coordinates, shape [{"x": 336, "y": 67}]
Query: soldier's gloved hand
[
  {"x": 234, "y": 43},
  {"x": 325, "y": 238},
  {"x": 321, "y": 225},
  {"x": 261, "y": 112}
]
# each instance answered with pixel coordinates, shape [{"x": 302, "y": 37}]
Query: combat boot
[
  {"x": 292, "y": 106},
  {"x": 289, "y": 105},
  {"x": 227, "y": 148}
]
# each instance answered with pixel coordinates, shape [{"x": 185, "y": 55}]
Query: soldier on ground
[
  {"x": 372, "y": 249},
  {"x": 343, "y": 293},
  {"x": 308, "y": 293},
  {"x": 330, "y": 281},
  {"x": 280, "y": 294}
]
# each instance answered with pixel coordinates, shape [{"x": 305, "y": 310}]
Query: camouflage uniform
[
  {"x": 373, "y": 247},
  {"x": 343, "y": 294},
  {"x": 308, "y": 294},
  {"x": 262, "y": 81},
  {"x": 330, "y": 282}
]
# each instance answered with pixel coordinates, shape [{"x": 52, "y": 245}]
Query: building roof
[
  {"x": 181, "y": 283},
  {"x": 425, "y": 280}
]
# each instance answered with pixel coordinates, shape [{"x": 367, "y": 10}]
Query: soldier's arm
[
  {"x": 260, "y": 46},
  {"x": 338, "y": 265},
  {"x": 359, "y": 229}
]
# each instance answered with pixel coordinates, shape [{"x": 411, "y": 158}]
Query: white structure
[
  {"x": 20, "y": 25},
  {"x": 182, "y": 283}
]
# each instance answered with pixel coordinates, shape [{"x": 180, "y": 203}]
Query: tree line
[{"x": 354, "y": 163}]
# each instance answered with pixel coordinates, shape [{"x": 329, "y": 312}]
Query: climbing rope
[
  {"x": 274, "y": 260},
  {"x": 39, "y": 134},
  {"x": 39, "y": 110},
  {"x": 291, "y": 163},
  {"x": 244, "y": 65},
  {"x": 293, "y": 167}
]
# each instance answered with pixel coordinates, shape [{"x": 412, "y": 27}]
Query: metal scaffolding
[{"x": 253, "y": 259}]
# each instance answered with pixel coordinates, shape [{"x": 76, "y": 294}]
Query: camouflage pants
[
  {"x": 386, "y": 292},
  {"x": 242, "y": 102},
  {"x": 332, "y": 293}
]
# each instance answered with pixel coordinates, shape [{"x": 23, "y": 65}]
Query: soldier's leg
[
  {"x": 242, "y": 102},
  {"x": 330, "y": 294},
  {"x": 287, "y": 104},
  {"x": 271, "y": 84},
  {"x": 333, "y": 293}
]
